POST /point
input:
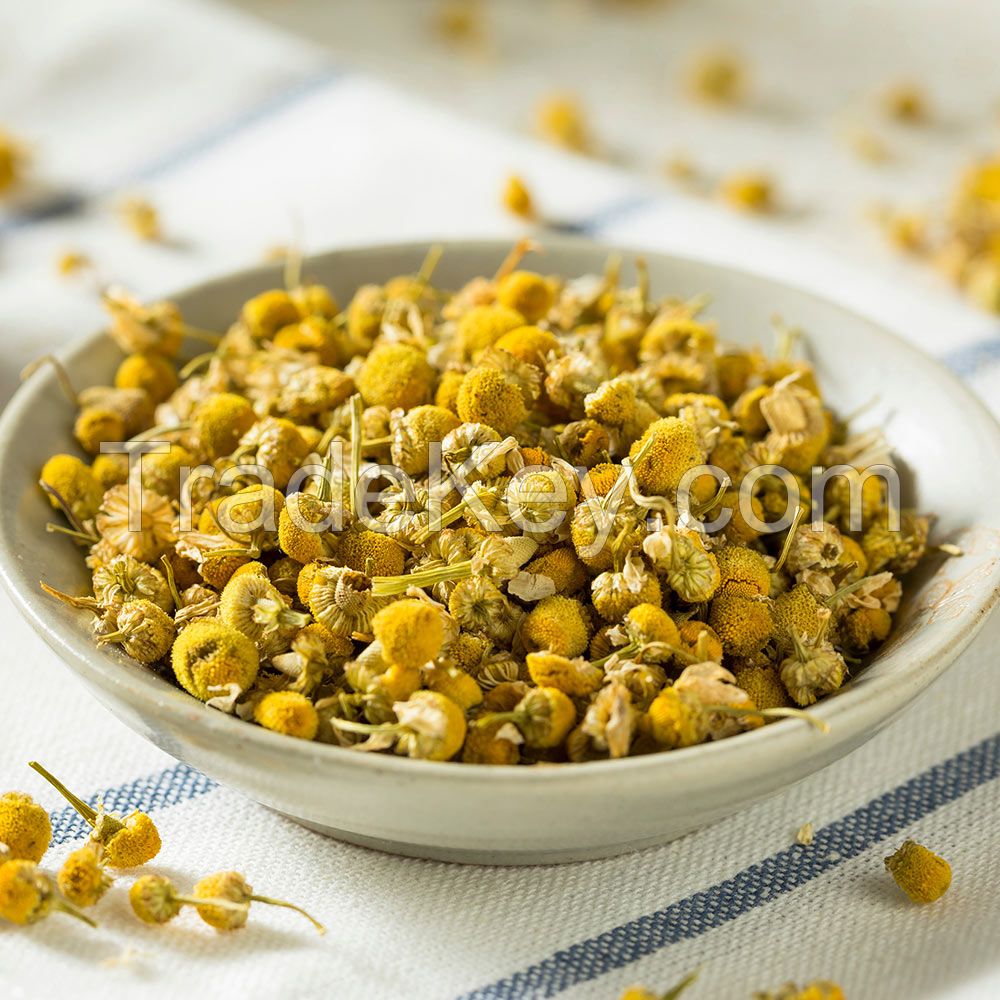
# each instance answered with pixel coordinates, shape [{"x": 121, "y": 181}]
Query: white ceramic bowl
[{"x": 943, "y": 437}]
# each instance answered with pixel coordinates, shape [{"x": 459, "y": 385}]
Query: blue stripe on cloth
[
  {"x": 69, "y": 203},
  {"x": 969, "y": 360},
  {"x": 176, "y": 784},
  {"x": 754, "y": 886}
]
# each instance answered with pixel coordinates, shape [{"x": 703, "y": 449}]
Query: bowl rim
[{"x": 877, "y": 699}]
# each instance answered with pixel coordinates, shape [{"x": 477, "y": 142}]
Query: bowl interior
[{"x": 941, "y": 436}]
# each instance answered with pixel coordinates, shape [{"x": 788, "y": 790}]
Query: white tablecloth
[{"x": 234, "y": 134}]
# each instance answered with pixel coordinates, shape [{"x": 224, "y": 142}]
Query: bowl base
[{"x": 465, "y": 856}]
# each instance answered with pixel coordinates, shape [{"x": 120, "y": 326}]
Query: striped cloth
[{"x": 234, "y": 134}]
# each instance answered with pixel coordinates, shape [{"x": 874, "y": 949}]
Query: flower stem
[
  {"x": 291, "y": 906},
  {"x": 89, "y": 813}
]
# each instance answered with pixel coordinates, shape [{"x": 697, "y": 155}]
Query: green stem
[
  {"x": 385, "y": 586},
  {"x": 89, "y": 813},
  {"x": 64, "y": 907},
  {"x": 222, "y": 904},
  {"x": 194, "y": 364},
  {"x": 290, "y": 906},
  {"x": 786, "y": 548},
  {"x": 206, "y": 336},
  {"x": 80, "y": 536},
  {"x": 168, "y": 572},
  {"x": 357, "y": 408}
]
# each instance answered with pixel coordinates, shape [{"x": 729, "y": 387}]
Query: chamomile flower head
[
  {"x": 923, "y": 875},
  {"x": 287, "y": 712},
  {"x": 219, "y": 421},
  {"x": 74, "y": 483},
  {"x": 413, "y": 433},
  {"x": 744, "y": 624},
  {"x": 543, "y": 717},
  {"x": 410, "y": 632},
  {"x": 154, "y": 534},
  {"x": 127, "y": 841},
  {"x": 674, "y": 451},
  {"x": 145, "y": 631},
  {"x": 341, "y": 600},
  {"x": 82, "y": 879},
  {"x": 530, "y": 344},
  {"x": 96, "y": 424},
  {"x": 563, "y": 567},
  {"x": 265, "y": 314},
  {"x": 575, "y": 677},
  {"x": 480, "y": 327},
  {"x": 370, "y": 552},
  {"x": 742, "y": 571},
  {"x": 28, "y": 895},
  {"x": 557, "y": 624},
  {"x": 614, "y": 593},
  {"x": 396, "y": 375},
  {"x": 25, "y": 830},
  {"x": 209, "y": 656},
  {"x": 149, "y": 371},
  {"x": 525, "y": 292},
  {"x": 491, "y": 397},
  {"x": 223, "y": 901}
]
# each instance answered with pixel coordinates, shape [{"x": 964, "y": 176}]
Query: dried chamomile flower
[
  {"x": 233, "y": 887},
  {"x": 25, "y": 830},
  {"x": 134, "y": 327},
  {"x": 415, "y": 431},
  {"x": 905, "y": 102},
  {"x": 613, "y": 594},
  {"x": 28, "y": 895},
  {"x": 525, "y": 292},
  {"x": 71, "y": 262},
  {"x": 70, "y": 483},
  {"x": 287, "y": 712},
  {"x": 742, "y": 571},
  {"x": 516, "y": 197},
  {"x": 410, "y": 632},
  {"x": 812, "y": 670},
  {"x": 763, "y": 686},
  {"x": 149, "y": 371},
  {"x": 674, "y": 719},
  {"x": 559, "y": 119},
  {"x": 251, "y": 604},
  {"x": 82, "y": 878},
  {"x": 557, "y": 624},
  {"x": 209, "y": 657},
  {"x": 673, "y": 451},
  {"x": 342, "y": 600},
  {"x": 141, "y": 218},
  {"x": 127, "y": 841},
  {"x": 154, "y": 532},
  {"x": 220, "y": 421},
  {"x": 396, "y": 375},
  {"x": 575, "y": 677},
  {"x": 491, "y": 397},
  {"x": 429, "y": 726},
  {"x": 14, "y": 161},
  {"x": 818, "y": 989},
  {"x": 749, "y": 192},
  {"x": 541, "y": 719},
  {"x": 923, "y": 875},
  {"x": 717, "y": 77},
  {"x": 744, "y": 624},
  {"x": 145, "y": 631}
]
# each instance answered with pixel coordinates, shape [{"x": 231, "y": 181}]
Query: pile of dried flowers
[{"x": 538, "y": 579}]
